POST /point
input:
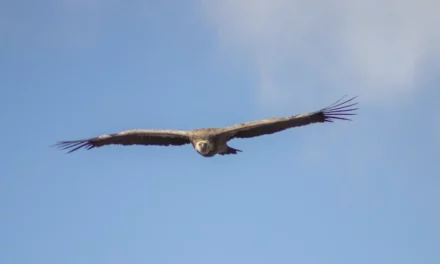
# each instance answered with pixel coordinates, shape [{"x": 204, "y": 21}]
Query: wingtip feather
[
  {"x": 74, "y": 145},
  {"x": 340, "y": 109}
]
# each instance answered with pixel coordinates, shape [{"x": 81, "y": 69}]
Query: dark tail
[{"x": 230, "y": 151}]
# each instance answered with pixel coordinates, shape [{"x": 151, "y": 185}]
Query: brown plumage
[{"x": 211, "y": 141}]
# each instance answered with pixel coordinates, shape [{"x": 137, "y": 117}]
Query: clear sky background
[{"x": 365, "y": 191}]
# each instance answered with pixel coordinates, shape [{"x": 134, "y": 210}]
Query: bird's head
[{"x": 203, "y": 147}]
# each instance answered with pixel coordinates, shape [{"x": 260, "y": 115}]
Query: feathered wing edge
[
  {"x": 75, "y": 144},
  {"x": 340, "y": 110}
]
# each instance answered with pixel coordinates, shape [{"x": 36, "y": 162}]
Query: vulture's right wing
[{"x": 130, "y": 137}]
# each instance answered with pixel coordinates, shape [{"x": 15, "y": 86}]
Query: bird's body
[
  {"x": 208, "y": 142},
  {"x": 211, "y": 141}
]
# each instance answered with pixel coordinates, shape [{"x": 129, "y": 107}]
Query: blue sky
[{"x": 350, "y": 192}]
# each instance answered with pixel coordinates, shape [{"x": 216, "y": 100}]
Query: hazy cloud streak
[{"x": 372, "y": 48}]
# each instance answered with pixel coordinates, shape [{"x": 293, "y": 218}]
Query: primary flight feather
[{"x": 211, "y": 141}]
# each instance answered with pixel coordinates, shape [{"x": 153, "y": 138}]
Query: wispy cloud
[{"x": 372, "y": 48}]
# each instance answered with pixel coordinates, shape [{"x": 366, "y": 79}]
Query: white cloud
[{"x": 372, "y": 48}]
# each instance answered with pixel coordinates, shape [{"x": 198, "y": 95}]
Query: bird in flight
[{"x": 211, "y": 141}]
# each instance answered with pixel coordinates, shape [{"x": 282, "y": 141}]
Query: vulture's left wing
[{"x": 338, "y": 110}]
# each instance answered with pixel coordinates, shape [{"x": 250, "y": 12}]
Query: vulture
[{"x": 211, "y": 141}]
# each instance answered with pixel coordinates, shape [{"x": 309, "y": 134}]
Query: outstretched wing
[
  {"x": 338, "y": 110},
  {"x": 130, "y": 137}
]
